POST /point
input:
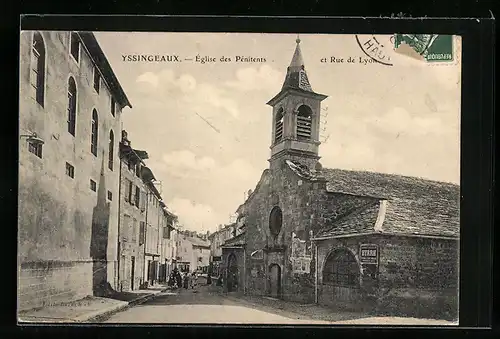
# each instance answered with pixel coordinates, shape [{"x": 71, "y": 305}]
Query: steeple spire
[
  {"x": 297, "y": 62},
  {"x": 296, "y": 76}
]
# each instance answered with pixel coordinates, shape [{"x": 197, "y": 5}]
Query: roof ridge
[{"x": 392, "y": 175}]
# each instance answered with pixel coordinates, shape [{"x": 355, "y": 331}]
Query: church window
[
  {"x": 304, "y": 122},
  {"x": 275, "y": 221},
  {"x": 279, "y": 125},
  {"x": 37, "y": 75}
]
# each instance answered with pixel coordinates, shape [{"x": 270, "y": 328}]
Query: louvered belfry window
[
  {"x": 304, "y": 123},
  {"x": 279, "y": 125}
]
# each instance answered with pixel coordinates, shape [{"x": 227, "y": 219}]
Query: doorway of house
[
  {"x": 275, "y": 280},
  {"x": 232, "y": 273},
  {"x": 132, "y": 273}
]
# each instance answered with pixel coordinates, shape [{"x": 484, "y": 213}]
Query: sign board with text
[{"x": 368, "y": 253}]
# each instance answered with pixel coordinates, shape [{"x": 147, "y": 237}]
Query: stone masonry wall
[
  {"x": 55, "y": 211},
  {"x": 129, "y": 236},
  {"x": 415, "y": 277}
]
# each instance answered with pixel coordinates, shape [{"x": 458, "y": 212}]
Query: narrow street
[{"x": 206, "y": 304}]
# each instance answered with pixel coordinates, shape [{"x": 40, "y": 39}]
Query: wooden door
[{"x": 275, "y": 280}]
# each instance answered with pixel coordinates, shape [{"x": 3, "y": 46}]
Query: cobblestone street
[{"x": 208, "y": 304}]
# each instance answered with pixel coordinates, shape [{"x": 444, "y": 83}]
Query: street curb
[{"x": 102, "y": 315}]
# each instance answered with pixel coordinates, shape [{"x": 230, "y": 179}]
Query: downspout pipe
[
  {"x": 145, "y": 235},
  {"x": 316, "y": 272},
  {"x": 118, "y": 277}
]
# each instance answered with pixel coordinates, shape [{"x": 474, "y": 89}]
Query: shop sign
[{"x": 368, "y": 254}]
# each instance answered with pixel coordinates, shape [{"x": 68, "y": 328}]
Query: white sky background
[{"x": 402, "y": 119}]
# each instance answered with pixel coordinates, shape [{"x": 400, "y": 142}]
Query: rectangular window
[
  {"x": 35, "y": 148},
  {"x": 70, "y": 170},
  {"x": 113, "y": 106},
  {"x": 110, "y": 195},
  {"x": 93, "y": 185},
  {"x": 138, "y": 170},
  {"x": 166, "y": 232},
  {"x": 97, "y": 79},
  {"x": 131, "y": 199},
  {"x": 125, "y": 228},
  {"x": 143, "y": 201},
  {"x": 137, "y": 196},
  {"x": 134, "y": 230},
  {"x": 75, "y": 46},
  {"x": 127, "y": 190},
  {"x": 142, "y": 232}
]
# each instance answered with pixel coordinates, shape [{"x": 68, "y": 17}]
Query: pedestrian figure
[
  {"x": 209, "y": 278},
  {"x": 186, "y": 281},
  {"x": 178, "y": 279},
  {"x": 194, "y": 280}
]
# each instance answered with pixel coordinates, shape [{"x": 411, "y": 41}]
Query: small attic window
[{"x": 304, "y": 122}]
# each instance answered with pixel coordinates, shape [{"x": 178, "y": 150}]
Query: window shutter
[
  {"x": 143, "y": 201},
  {"x": 134, "y": 230},
  {"x": 131, "y": 193},
  {"x": 127, "y": 190},
  {"x": 142, "y": 232},
  {"x": 137, "y": 196}
]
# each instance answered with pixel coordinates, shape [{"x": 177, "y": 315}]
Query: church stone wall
[{"x": 415, "y": 276}]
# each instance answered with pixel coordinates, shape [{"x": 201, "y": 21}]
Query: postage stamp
[{"x": 433, "y": 47}]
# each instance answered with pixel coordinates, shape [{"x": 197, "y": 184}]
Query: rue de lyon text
[{"x": 349, "y": 60}]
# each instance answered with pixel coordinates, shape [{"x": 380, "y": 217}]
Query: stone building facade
[
  {"x": 337, "y": 237},
  {"x": 133, "y": 194},
  {"x": 154, "y": 222},
  {"x": 70, "y": 115},
  {"x": 217, "y": 240},
  {"x": 201, "y": 254},
  {"x": 184, "y": 255}
]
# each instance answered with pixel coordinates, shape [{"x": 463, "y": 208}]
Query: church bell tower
[{"x": 296, "y": 117}]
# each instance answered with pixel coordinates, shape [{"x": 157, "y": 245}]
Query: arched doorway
[
  {"x": 341, "y": 276},
  {"x": 232, "y": 273},
  {"x": 274, "y": 280}
]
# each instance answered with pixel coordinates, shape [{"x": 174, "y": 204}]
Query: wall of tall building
[
  {"x": 132, "y": 216},
  {"x": 56, "y": 209}
]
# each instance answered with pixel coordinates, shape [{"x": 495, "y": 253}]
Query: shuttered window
[{"x": 127, "y": 190}]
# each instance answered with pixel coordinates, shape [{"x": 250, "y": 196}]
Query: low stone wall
[
  {"x": 419, "y": 304},
  {"x": 47, "y": 283}
]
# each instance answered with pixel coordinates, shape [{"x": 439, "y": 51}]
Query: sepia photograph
[{"x": 238, "y": 178}]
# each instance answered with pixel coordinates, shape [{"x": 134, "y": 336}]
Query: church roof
[
  {"x": 413, "y": 205},
  {"x": 238, "y": 240}
]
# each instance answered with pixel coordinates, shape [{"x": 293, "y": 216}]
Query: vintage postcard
[{"x": 239, "y": 178}]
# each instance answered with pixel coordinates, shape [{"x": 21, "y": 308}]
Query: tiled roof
[
  {"x": 414, "y": 205},
  {"x": 235, "y": 241},
  {"x": 387, "y": 185},
  {"x": 101, "y": 61},
  {"x": 198, "y": 242},
  {"x": 358, "y": 221}
]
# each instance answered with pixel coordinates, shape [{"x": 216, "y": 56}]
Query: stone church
[{"x": 342, "y": 238}]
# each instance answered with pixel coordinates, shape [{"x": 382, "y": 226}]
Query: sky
[{"x": 207, "y": 128}]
